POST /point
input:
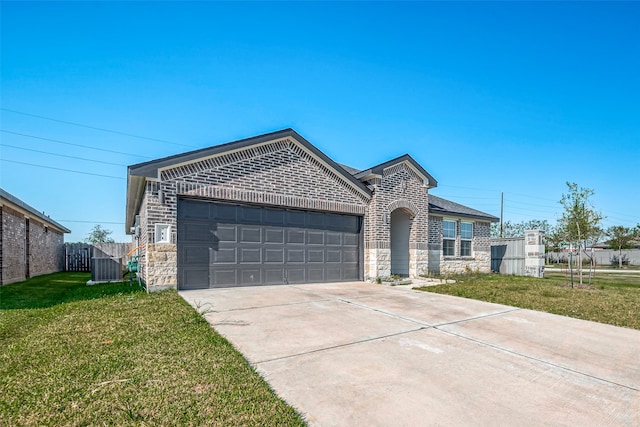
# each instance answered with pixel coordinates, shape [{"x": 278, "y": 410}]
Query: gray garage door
[{"x": 225, "y": 245}]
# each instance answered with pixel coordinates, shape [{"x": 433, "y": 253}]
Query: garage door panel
[
  {"x": 350, "y": 239},
  {"x": 315, "y": 237},
  {"x": 250, "y": 255},
  {"x": 351, "y": 223},
  {"x": 224, "y": 213},
  {"x": 195, "y": 255},
  {"x": 274, "y": 235},
  {"x": 296, "y": 275},
  {"x": 225, "y": 256},
  {"x": 296, "y": 218},
  {"x": 315, "y": 255},
  {"x": 250, "y": 215},
  {"x": 333, "y": 238},
  {"x": 195, "y": 211},
  {"x": 315, "y": 275},
  {"x": 295, "y": 256},
  {"x": 316, "y": 220},
  {"x": 250, "y": 235},
  {"x": 221, "y": 276},
  {"x": 274, "y": 276},
  {"x": 296, "y": 237},
  {"x": 350, "y": 256},
  {"x": 274, "y": 216},
  {"x": 195, "y": 278},
  {"x": 349, "y": 272},
  {"x": 274, "y": 255},
  {"x": 333, "y": 256},
  {"x": 226, "y": 233},
  {"x": 251, "y": 276},
  {"x": 333, "y": 274},
  {"x": 197, "y": 232}
]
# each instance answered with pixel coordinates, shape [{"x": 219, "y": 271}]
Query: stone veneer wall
[
  {"x": 398, "y": 188},
  {"x": 279, "y": 174},
  {"x": 46, "y": 247}
]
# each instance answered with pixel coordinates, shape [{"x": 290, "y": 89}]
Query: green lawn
[
  {"x": 613, "y": 299},
  {"x": 113, "y": 355}
]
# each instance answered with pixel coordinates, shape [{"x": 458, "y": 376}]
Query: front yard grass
[
  {"x": 613, "y": 299},
  {"x": 114, "y": 355}
]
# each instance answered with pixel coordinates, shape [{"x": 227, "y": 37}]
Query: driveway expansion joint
[
  {"x": 535, "y": 359},
  {"x": 349, "y": 344},
  {"x": 484, "y": 316}
]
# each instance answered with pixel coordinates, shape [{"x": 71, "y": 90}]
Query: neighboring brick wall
[
  {"x": 13, "y": 246},
  {"x": 398, "y": 188},
  {"x": 46, "y": 247}
]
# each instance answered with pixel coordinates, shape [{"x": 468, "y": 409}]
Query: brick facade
[
  {"x": 278, "y": 174},
  {"x": 28, "y": 246},
  {"x": 284, "y": 172},
  {"x": 398, "y": 188}
]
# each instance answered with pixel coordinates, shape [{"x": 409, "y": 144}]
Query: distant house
[
  {"x": 31, "y": 243},
  {"x": 273, "y": 209}
]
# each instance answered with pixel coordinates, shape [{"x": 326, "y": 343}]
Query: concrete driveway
[{"x": 351, "y": 354}]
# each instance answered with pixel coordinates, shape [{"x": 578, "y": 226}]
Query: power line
[
  {"x": 62, "y": 155},
  {"x": 73, "y": 144},
  {"x": 96, "y": 128},
  {"x": 61, "y": 169}
]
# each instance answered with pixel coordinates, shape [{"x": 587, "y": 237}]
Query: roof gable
[
  {"x": 139, "y": 173},
  {"x": 378, "y": 170}
]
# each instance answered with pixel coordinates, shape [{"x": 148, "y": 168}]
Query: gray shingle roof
[
  {"x": 438, "y": 205},
  {"x": 349, "y": 169}
]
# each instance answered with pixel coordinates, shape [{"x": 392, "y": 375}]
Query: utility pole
[{"x": 501, "y": 211}]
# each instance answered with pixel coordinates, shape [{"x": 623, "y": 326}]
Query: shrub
[{"x": 615, "y": 261}]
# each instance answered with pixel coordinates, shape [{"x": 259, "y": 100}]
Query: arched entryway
[{"x": 400, "y": 230}]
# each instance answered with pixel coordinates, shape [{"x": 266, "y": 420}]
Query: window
[
  {"x": 163, "y": 233},
  {"x": 466, "y": 235},
  {"x": 448, "y": 238}
]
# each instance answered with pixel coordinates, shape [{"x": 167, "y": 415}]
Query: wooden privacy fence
[
  {"x": 520, "y": 256},
  {"x": 507, "y": 256},
  {"x": 78, "y": 255}
]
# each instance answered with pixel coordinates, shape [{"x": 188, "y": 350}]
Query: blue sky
[{"x": 488, "y": 97}]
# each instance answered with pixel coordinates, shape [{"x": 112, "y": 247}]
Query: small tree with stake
[{"x": 580, "y": 222}]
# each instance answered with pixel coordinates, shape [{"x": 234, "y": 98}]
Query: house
[
  {"x": 273, "y": 209},
  {"x": 31, "y": 243}
]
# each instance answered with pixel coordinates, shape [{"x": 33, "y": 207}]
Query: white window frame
[
  {"x": 464, "y": 239},
  {"x": 449, "y": 238},
  {"x": 163, "y": 233}
]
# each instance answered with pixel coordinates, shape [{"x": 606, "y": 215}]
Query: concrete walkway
[{"x": 353, "y": 354}]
